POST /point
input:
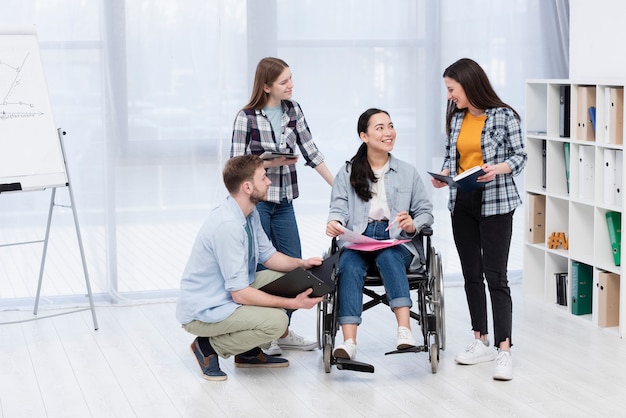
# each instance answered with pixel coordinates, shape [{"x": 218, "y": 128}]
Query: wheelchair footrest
[
  {"x": 416, "y": 349},
  {"x": 345, "y": 364}
]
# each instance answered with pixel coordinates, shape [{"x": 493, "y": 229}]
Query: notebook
[{"x": 319, "y": 278}]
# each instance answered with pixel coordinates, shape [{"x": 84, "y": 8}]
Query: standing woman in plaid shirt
[
  {"x": 483, "y": 130},
  {"x": 272, "y": 121}
]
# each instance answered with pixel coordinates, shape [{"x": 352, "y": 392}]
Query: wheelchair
[{"x": 428, "y": 312}]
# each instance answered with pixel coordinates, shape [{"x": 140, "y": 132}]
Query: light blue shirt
[
  {"x": 219, "y": 264},
  {"x": 405, "y": 191}
]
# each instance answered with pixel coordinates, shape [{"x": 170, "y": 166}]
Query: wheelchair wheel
[
  {"x": 434, "y": 357},
  {"x": 329, "y": 329},
  {"x": 437, "y": 300},
  {"x": 320, "y": 325},
  {"x": 328, "y": 356}
]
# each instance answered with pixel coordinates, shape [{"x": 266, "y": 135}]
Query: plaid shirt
[
  {"x": 501, "y": 141},
  {"x": 253, "y": 134}
]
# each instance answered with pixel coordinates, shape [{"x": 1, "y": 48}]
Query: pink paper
[{"x": 378, "y": 245}]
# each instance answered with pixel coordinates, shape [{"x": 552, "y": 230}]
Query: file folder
[
  {"x": 582, "y": 275},
  {"x": 614, "y": 225},
  {"x": 614, "y": 119},
  {"x": 608, "y": 299},
  {"x": 586, "y": 96},
  {"x": 585, "y": 172},
  {"x": 564, "y": 111},
  {"x": 608, "y": 171},
  {"x": 536, "y": 218},
  {"x": 566, "y": 154},
  {"x": 561, "y": 288},
  {"x": 543, "y": 163},
  {"x": 619, "y": 170}
]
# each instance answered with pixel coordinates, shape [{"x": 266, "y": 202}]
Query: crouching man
[{"x": 220, "y": 300}]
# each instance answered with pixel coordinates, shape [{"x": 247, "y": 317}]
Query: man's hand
[
  {"x": 303, "y": 301},
  {"x": 311, "y": 262}
]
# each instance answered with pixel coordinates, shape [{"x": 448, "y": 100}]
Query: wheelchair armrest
[{"x": 427, "y": 231}]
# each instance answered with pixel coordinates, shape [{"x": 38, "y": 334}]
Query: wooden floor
[{"x": 138, "y": 364}]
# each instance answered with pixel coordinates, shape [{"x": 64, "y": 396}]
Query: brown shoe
[{"x": 256, "y": 358}]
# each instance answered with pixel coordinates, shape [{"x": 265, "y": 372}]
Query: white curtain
[{"x": 147, "y": 91}]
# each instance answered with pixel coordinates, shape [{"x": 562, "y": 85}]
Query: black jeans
[{"x": 483, "y": 246}]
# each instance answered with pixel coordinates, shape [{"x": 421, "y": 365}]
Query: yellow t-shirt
[{"x": 468, "y": 143}]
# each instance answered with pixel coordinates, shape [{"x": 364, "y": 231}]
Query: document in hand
[
  {"x": 270, "y": 155},
  {"x": 362, "y": 243},
  {"x": 466, "y": 180}
]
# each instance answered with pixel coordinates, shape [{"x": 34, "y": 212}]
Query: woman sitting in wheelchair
[{"x": 381, "y": 197}]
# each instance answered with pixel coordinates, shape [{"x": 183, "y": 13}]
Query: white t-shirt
[{"x": 379, "y": 209}]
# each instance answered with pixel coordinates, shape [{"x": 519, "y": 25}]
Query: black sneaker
[
  {"x": 256, "y": 358},
  {"x": 210, "y": 365}
]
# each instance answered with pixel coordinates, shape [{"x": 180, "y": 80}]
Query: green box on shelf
[{"x": 582, "y": 280}]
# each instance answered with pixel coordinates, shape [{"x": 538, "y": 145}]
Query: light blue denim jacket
[{"x": 405, "y": 191}]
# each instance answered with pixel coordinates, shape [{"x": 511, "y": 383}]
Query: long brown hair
[
  {"x": 477, "y": 88},
  {"x": 362, "y": 173},
  {"x": 267, "y": 72}
]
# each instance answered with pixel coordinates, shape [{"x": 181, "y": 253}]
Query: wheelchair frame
[{"x": 430, "y": 305}]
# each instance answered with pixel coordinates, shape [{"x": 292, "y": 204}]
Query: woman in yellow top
[{"x": 483, "y": 130}]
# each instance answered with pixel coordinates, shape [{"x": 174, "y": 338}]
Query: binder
[
  {"x": 582, "y": 275},
  {"x": 561, "y": 288},
  {"x": 592, "y": 118},
  {"x": 543, "y": 163},
  {"x": 566, "y": 154},
  {"x": 585, "y": 172},
  {"x": 564, "y": 111},
  {"x": 614, "y": 119},
  {"x": 536, "y": 218},
  {"x": 614, "y": 225},
  {"x": 619, "y": 171},
  {"x": 609, "y": 190},
  {"x": 608, "y": 299},
  {"x": 586, "y": 99}
]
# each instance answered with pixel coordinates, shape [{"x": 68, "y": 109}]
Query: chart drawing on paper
[{"x": 30, "y": 151}]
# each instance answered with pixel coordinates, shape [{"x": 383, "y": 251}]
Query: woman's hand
[
  {"x": 404, "y": 221},
  {"x": 438, "y": 184},
  {"x": 333, "y": 229},
  {"x": 492, "y": 170}
]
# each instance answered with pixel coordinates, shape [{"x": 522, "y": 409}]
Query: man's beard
[{"x": 257, "y": 196}]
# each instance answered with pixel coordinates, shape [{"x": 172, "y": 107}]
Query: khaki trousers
[{"x": 247, "y": 327}]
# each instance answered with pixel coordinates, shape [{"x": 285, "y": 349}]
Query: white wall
[{"x": 597, "y": 35}]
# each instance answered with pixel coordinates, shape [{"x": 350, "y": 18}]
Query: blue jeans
[
  {"x": 279, "y": 223},
  {"x": 483, "y": 246},
  {"x": 392, "y": 264}
]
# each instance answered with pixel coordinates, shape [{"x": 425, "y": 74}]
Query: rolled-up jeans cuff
[
  {"x": 400, "y": 303},
  {"x": 347, "y": 320}
]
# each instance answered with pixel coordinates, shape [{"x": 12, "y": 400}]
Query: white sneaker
[
  {"x": 405, "y": 338},
  {"x": 504, "y": 366},
  {"x": 294, "y": 341},
  {"x": 273, "y": 350},
  {"x": 347, "y": 350},
  {"x": 476, "y": 352}
]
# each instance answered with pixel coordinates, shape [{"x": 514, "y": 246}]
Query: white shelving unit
[{"x": 578, "y": 210}]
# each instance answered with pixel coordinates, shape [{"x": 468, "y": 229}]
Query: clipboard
[
  {"x": 320, "y": 278},
  {"x": 270, "y": 155}
]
